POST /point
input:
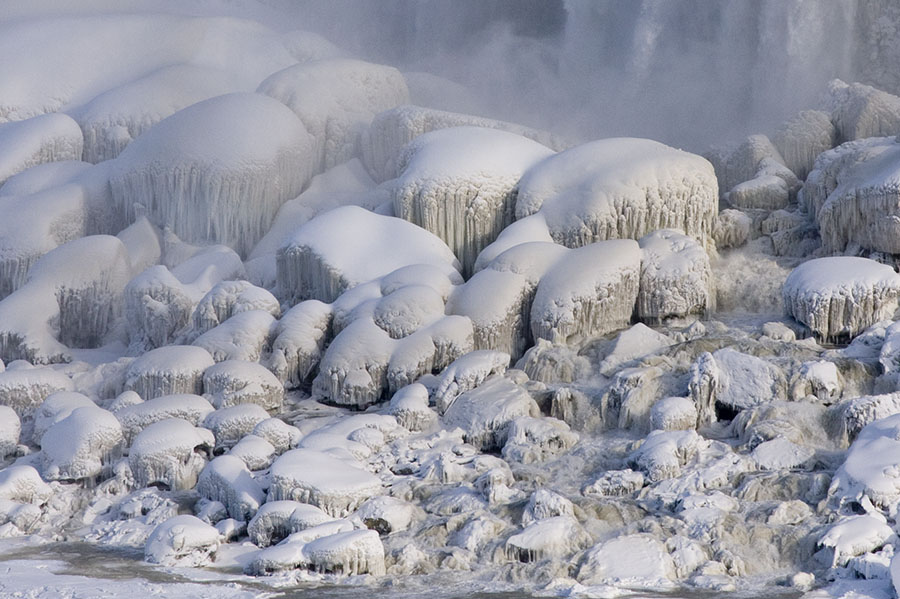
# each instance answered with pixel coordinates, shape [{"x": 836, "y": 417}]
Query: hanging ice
[
  {"x": 859, "y": 111},
  {"x": 171, "y": 452},
  {"x": 676, "y": 278},
  {"x": 235, "y": 382},
  {"x": 801, "y": 139},
  {"x": 168, "y": 370},
  {"x": 45, "y": 138}
]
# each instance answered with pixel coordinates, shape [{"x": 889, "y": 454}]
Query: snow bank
[
  {"x": 217, "y": 170},
  {"x": 620, "y": 188},
  {"x": 460, "y": 184},
  {"x": 839, "y": 297},
  {"x": 168, "y": 370},
  {"x": 227, "y": 480},
  {"x": 78, "y": 446},
  {"x": 234, "y": 382},
  {"x": 182, "y": 541},
  {"x": 170, "y": 452},
  {"x": 486, "y": 412},
  {"x": 34, "y": 141},
  {"x": 676, "y": 278},
  {"x": 135, "y": 418}
]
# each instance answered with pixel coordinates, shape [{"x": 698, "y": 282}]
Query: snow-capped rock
[
  {"x": 676, "y": 279},
  {"x": 802, "y": 138},
  {"x": 54, "y": 408},
  {"x": 299, "y": 341},
  {"x": 171, "y": 452},
  {"x": 226, "y": 479},
  {"x": 182, "y": 541},
  {"x": 229, "y": 425},
  {"x": 409, "y": 406},
  {"x": 169, "y": 370},
  {"x": 78, "y": 446},
  {"x": 38, "y": 140},
  {"x": 734, "y": 381},
  {"x": 859, "y": 111},
  {"x": 25, "y": 389},
  {"x": 235, "y": 382},
  {"x": 486, "y": 412},
  {"x": 185, "y": 406},
  {"x": 649, "y": 563},
  {"x": 281, "y": 435},
  {"x": 554, "y": 537}
]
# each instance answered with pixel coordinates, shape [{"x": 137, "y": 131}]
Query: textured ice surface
[
  {"x": 752, "y": 175},
  {"x": 172, "y": 452},
  {"x": 137, "y": 417},
  {"x": 839, "y": 297},
  {"x": 77, "y": 446},
  {"x": 299, "y": 341},
  {"x": 648, "y": 564},
  {"x": 349, "y": 553},
  {"x": 460, "y": 184},
  {"x": 10, "y": 430},
  {"x": 275, "y": 520},
  {"x": 45, "y": 138},
  {"x": 229, "y": 298},
  {"x": 486, "y": 412},
  {"x": 409, "y": 406},
  {"x": 732, "y": 229},
  {"x": 620, "y": 188},
  {"x": 802, "y": 138},
  {"x": 256, "y": 452},
  {"x": 855, "y": 535},
  {"x": 168, "y": 370},
  {"x": 24, "y": 389},
  {"x": 734, "y": 380},
  {"x": 229, "y": 425},
  {"x": 182, "y": 541},
  {"x": 676, "y": 278},
  {"x": 466, "y": 373},
  {"x": 636, "y": 342},
  {"x": 859, "y": 111},
  {"x": 558, "y": 536},
  {"x": 234, "y": 382},
  {"x": 226, "y": 479},
  {"x": 870, "y": 470},
  {"x": 245, "y": 336},
  {"x": 23, "y": 484},
  {"x": 280, "y": 434}
]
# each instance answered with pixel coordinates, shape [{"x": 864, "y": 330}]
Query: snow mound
[
  {"x": 460, "y": 184},
  {"x": 407, "y": 309},
  {"x": 77, "y": 447},
  {"x": 801, "y": 139},
  {"x": 171, "y": 453},
  {"x": 135, "y": 418},
  {"x": 615, "y": 483},
  {"x": 245, "y": 336},
  {"x": 544, "y": 504},
  {"x": 674, "y": 414},
  {"x": 43, "y": 177},
  {"x": 348, "y": 246},
  {"x": 486, "y": 412},
  {"x": 169, "y": 370},
  {"x": 648, "y": 565},
  {"x": 226, "y": 479},
  {"x": 334, "y": 485},
  {"x": 56, "y": 407},
  {"x": 256, "y": 453},
  {"x": 349, "y": 553},
  {"x": 280, "y": 434},
  {"x": 217, "y": 170},
  {"x": 663, "y": 453},
  {"x": 275, "y": 521},
  {"x": 38, "y": 140},
  {"x": 590, "y": 292},
  {"x": 557, "y": 537},
  {"x": 182, "y": 541},
  {"x": 299, "y": 342},
  {"x": 839, "y": 297},
  {"x": 860, "y": 111},
  {"x": 234, "y": 382},
  {"x": 23, "y": 484},
  {"x": 752, "y": 175},
  {"x": 229, "y": 298},
  {"x": 620, "y": 188},
  {"x": 858, "y": 412},
  {"x": 10, "y": 430},
  {"x": 855, "y": 535},
  {"x": 230, "y": 425},
  {"x": 734, "y": 381},
  {"x": 391, "y": 130},
  {"x": 24, "y": 389},
  {"x": 871, "y": 468},
  {"x": 386, "y": 515},
  {"x": 409, "y": 405},
  {"x": 466, "y": 373},
  {"x": 676, "y": 277}
]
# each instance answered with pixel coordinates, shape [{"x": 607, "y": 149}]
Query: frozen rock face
[
  {"x": 336, "y": 99},
  {"x": 632, "y": 344},
  {"x": 620, "y": 188},
  {"x": 169, "y": 370},
  {"x": 135, "y": 418},
  {"x": 852, "y": 194},
  {"x": 171, "y": 453},
  {"x": 556, "y": 537},
  {"x": 25, "y": 389},
  {"x": 486, "y": 412},
  {"x": 733, "y": 381},
  {"x": 676, "y": 278},
  {"x": 348, "y": 246},
  {"x": 334, "y": 485},
  {"x": 182, "y": 541},
  {"x": 860, "y": 111},
  {"x": 460, "y": 184},
  {"x": 227, "y": 480},
  {"x": 801, "y": 139},
  {"x": 590, "y": 292},
  {"x": 299, "y": 342},
  {"x": 34, "y": 141},
  {"x": 216, "y": 171},
  {"x": 387, "y": 515},
  {"x": 838, "y": 297},
  {"x": 391, "y": 130},
  {"x": 78, "y": 446},
  {"x": 649, "y": 563},
  {"x": 753, "y": 175},
  {"x": 235, "y": 382},
  {"x": 674, "y": 414}
]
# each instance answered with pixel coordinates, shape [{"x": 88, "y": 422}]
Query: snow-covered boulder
[
  {"x": 78, "y": 446},
  {"x": 674, "y": 414},
  {"x": 838, "y": 297},
  {"x": 275, "y": 520},
  {"x": 486, "y": 412},
  {"x": 857, "y": 413},
  {"x": 591, "y": 291},
  {"x": 54, "y": 408},
  {"x": 336, "y": 99},
  {"x": 820, "y": 379},
  {"x": 531, "y": 439},
  {"x": 10, "y": 430},
  {"x": 732, "y": 229},
  {"x": 802, "y": 138},
  {"x": 38, "y": 140},
  {"x": 387, "y": 515},
  {"x": 24, "y": 389},
  {"x": 350, "y": 245},
  {"x": 299, "y": 341},
  {"x": 615, "y": 483},
  {"x": 234, "y": 382},
  {"x": 556, "y": 537},
  {"x": 550, "y": 363},
  {"x": 409, "y": 406},
  {"x": 859, "y": 111},
  {"x": 217, "y": 170},
  {"x": 730, "y": 380},
  {"x": 525, "y": 230},
  {"x": 229, "y": 425},
  {"x": 256, "y": 452},
  {"x": 407, "y": 309},
  {"x": 226, "y": 479},
  {"x": 332, "y": 484},
  {"x": 634, "y": 343},
  {"x": 620, "y": 188},
  {"x": 23, "y": 484},
  {"x": 135, "y": 418},
  {"x": 466, "y": 373},
  {"x": 663, "y": 453},
  {"x": 460, "y": 184},
  {"x": 855, "y": 535},
  {"x": 280, "y": 434},
  {"x": 871, "y": 470},
  {"x": 169, "y": 370},
  {"x": 182, "y": 541},
  {"x": 349, "y": 553},
  {"x": 676, "y": 278},
  {"x": 648, "y": 563},
  {"x": 229, "y": 298},
  {"x": 171, "y": 453},
  {"x": 245, "y": 336}
]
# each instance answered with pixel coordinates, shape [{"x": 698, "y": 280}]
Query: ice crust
[
  {"x": 172, "y": 452},
  {"x": 77, "y": 446},
  {"x": 168, "y": 370},
  {"x": 182, "y": 541},
  {"x": 38, "y": 140},
  {"x": 235, "y": 382},
  {"x": 676, "y": 278}
]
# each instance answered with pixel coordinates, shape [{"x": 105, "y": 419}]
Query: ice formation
[
  {"x": 226, "y": 479},
  {"x": 42, "y": 139},
  {"x": 10, "y": 431},
  {"x": 25, "y": 389},
  {"x": 299, "y": 341},
  {"x": 801, "y": 139},
  {"x": 620, "y": 188},
  {"x": 753, "y": 176},
  {"x": 649, "y": 563},
  {"x": 235, "y": 382},
  {"x": 486, "y": 412},
  {"x": 676, "y": 279},
  {"x": 409, "y": 406},
  {"x": 170, "y": 452},
  {"x": 733, "y": 380},
  {"x": 182, "y": 541},
  {"x": 169, "y": 370},
  {"x": 860, "y": 111},
  {"x": 137, "y": 417},
  {"x": 77, "y": 446},
  {"x": 245, "y": 336},
  {"x": 230, "y": 425}
]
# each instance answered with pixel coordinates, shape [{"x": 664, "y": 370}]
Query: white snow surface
[{"x": 38, "y": 140}]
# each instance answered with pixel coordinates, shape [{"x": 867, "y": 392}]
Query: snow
[
  {"x": 24, "y": 389},
  {"x": 466, "y": 373},
  {"x": 676, "y": 278},
  {"x": 674, "y": 413},
  {"x": 172, "y": 452},
  {"x": 590, "y": 292},
  {"x": 299, "y": 342},
  {"x": 38, "y": 140},
  {"x": 407, "y": 309},
  {"x": 859, "y": 111},
  {"x": 234, "y": 382},
  {"x": 169, "y": 370},
  {"x": 556, "y": 537},
  {"x": 409, "y": 405},
  {"x": 802, "y": 138},
  {"x": 460, "y": 184},
  {"x": 387, "y": 515},
  {"x": 44, "y": 176},
  {"x": 486, "y": 412},
  {"x": 230, "y": 425},
  {"x": 732, "y": 229},
  {"x": 634, "y": 343},
  {"x": 182, "y": 541},
  {"x": 142, "y": 242},
  {"x": 524, "y": 230},
  {"x": 55, "y": 407},
  {"x": 533, "y": 440},
  {"x": 649, "y": 565},
  {"x": 855, "y": 535},
  {"x": 77, "y": 446},
  {"x": 245, "y": 336},
  {"x": 23, "y": 484},
  {"x": 215, "y": 183},
  {"x": 348, "y": 553},
  {"x": 734, "y": 380},
  {"x": 281, "y": 435},
  {"x": 274, "y": 521},
  {"x": 549, "y": 363},
  {"x": 10, "y": 431},
  {"x": 229, "y": 298},
  {"x": 663, "y": 453},
  {"x": 840, "y": 296},
  {"x": 620, "y": 188},
  {"x": 135, "y": 418},
  {"x": 226, "y": 479},
  {"x": 255, "y": 452},
  {"x": 615, "y": 483}
]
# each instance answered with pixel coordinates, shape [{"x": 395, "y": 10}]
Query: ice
[
  {"x": 10, "y": 430},
  {"x": 235, "y": 382},
  {"x": 299, "y": 342},
  {"x": 245, "y": 336},
  {"x": 460, "y": 184},
  {"x": 802, "y": 138},
  {"x": 486, "y": 412},
  {"x": 734, "y": 381},
  {"x": 676, "y": 278},
  {"x": 334, "y": 485},
  {"x": 391, "y": 130},
  {"x": 646, "y": 563},
  {"x": 348, "y": 246},
  {"x": 230, "y": 425},
  {"x": 170, "y": 452},
  {"x": 663, "y": 453},
  {"x": 387, "y": 515},
  {"x": 56, "y": 407},
  {"x": 732, "y": 229},
  {"x": 639, "y": 341},
  {"x": 24, "y": 389},
  {"x": 466, "y": 373},
  {"x": 23, "y": 484},
  {"x": 620, "y": 188},
  {"x": 820, "y": 379},
  {"x": 229, "y": 298},
  {"x": 533, "y": 440},
  {"x": 556, "y": 537},
  {"x": 590, "y": 292},
  {"x": 336, "y": 99},
  {"x": 549, "y": 363},
  {"x": 525, "y": 230},
  {"x": 38, "y": 140},
  {"x": 545, "y": 504},
  {"x": 77, "y": 446},
  {"x": 839, "y": 297},
  {"x": 855, "y": 535},
  {"x": 409, "y": 405},
  {"x": 407, "y": 309},
  {"x": 281, "y": 435},
  {"x": 274, "y": 521},
  {"x": 348, "y": 553},
  {"x": 674, "y": 414},
  {"x": 182, "y": 541},
  {"x": 615, "y": 483},
  {"x": 143, "y": 244},
  {"x": 255, "y": 452},
  {"x": 630, "y": 396},
  {"x": 858, "y": 412},
  {"x": 227, "y": 479},
  {"x": 169, "y": 370},
  {"x": 135, "y": 418},
  {"x": 44, "y": 176},
  {"x": 216, "y": 171},
  {"x": 859, "y": 111}
]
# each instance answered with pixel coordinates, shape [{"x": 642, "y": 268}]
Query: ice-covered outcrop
[
  {"x": 348, "y": 553},
  {"x": 23, "y": 484},
  {"x": 630, "y": 396},
  {"x": 820, "y": 379},
  {"x": 348, "y": 246},
  {"x": 24, "y": 389},
  {"x": 855, "y": 535},
  {"x": 170, "y": 452},
  {"x": 663, "y": 453},
  {"x": 299, "y": 342},
  {"x": 802, "y": 138},
  {"x": 525, "y": 230},
  {"x": 217, "y": 170},
  {"x": 387, "y": 515},
  {"x": 533, "y": 440},
  {"x": 732, "y": 381},
  {"x": 235, "y": 382},
  {"x": 409, "y": 405},
  {"x": 674, "y": 414},
  {"x": 391, "y": 130},
  {"x": 557, "y": 537},
  {"x": 620, "y": 188},
  {"x": 460, "y": 184},
  {"x": 486, "y": 412},
  {"x": 853, "y": 194},
  {"x": 280, "y": 434},
  {"x": 34, "y": 141},
  {"x": 336, "y": 99},
  {"x": 10, "y": 431},
  {"x": 78, "y": 446},
  {"x": 226, "y": 479},
  {"x": 182, "y": 541},
  {"x": 648, "y": 563},
  {"x": 859, "y": 111},
  {"x": 245, "y": 336},
  {"x": 839, "y": 297},
  {"x": 676, "y": 278},
  {"x": 230, "y": 425},
  {"x": 229, "y": 298},
  {"x": 56, "y": 407},
  {"x": 871, "y": 470},
  {"x": 590, "y": 292},
  {"x": 276, "y": 520},
  {"x": 637, "y": 342},
  {"x": 858, "y": 412},
  {"x": 334, "y": 485},
  {"x": 135, "y": 418},
  {"x": 753, "y": 176},
  {"x": 732, "y": 229},
  {"x": 466, "y": 373},
  {"x": 553, "y": 363},
  {"x": 256, "y": 453},
  {"x": 168, "y": 370}
]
